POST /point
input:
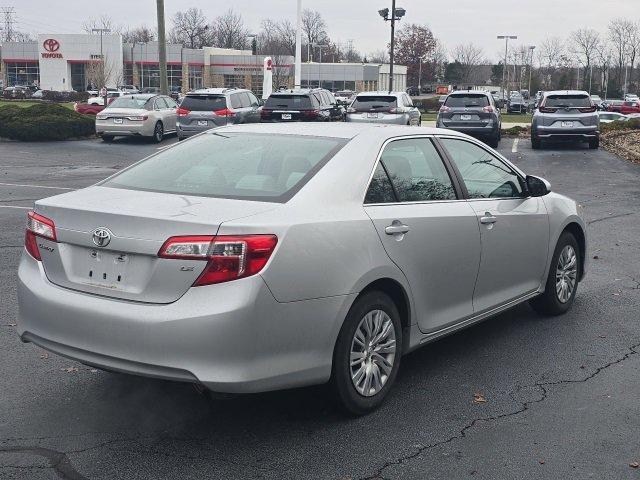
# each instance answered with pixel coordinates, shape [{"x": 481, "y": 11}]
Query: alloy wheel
[
  {"x": 566, "y": 273},
  {"x": 373, "y": 351}
]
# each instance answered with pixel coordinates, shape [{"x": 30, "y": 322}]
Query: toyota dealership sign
[{"x": 51, "y": 46}]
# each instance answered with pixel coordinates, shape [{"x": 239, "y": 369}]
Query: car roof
[
  {"x": 466, "y": 92},
  {"x": 297, "y": 91},
  {"x": 219, "y": 91},
  {"x": 567, "y": 92},
  {"x": 336, "y": 130},
  {"x": 381, "y": 92}
]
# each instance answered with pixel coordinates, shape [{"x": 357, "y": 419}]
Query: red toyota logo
[
  {"x": 51, "y": 45},
  {"x": 269, "y": 64}
]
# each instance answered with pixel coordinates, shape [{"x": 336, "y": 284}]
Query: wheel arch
[{"x": 578, "y": 233}]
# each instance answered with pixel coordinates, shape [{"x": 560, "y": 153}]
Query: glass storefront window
[
  {"x": 22, "y": 73},
  {"x": 195, "y": 77}
]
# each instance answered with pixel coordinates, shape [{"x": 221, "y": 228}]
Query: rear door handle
[
  {"x": 488, "y": 218},
  {"x": 396, "y": 228}
]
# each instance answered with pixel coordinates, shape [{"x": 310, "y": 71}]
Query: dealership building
[{"x": 71, "y": 62}]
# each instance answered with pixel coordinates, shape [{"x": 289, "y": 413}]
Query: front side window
[
  {"x": 415, "y": 170},
  {"x": 247, "y": 166},
  {"x": 484, "y": 175}
]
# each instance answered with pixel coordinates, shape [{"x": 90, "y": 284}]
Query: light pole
[
  {"x": 319, "y": 46},
  {"x": 162, "y": 48},
  {"x": 506, "y": 39},
  {"x": 531, "y": 49},
  {"x": 396, "y": 14},
  {"x": 102, "y": 31}
]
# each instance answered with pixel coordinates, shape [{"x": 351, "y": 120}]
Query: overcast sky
[{"x": 452, "y": 21}]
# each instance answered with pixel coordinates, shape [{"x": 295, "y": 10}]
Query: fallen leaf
[
  {"x": 634, "y": 465},
  {"x": 541, "y": 462},
  {"x": 93, "y": 370},
  {"x": 596, "y": 257},
  {"x": 583, "y": 367},
  {"x": 479, "y": 398},
  {"x": 602, "y": 336},
  {"x": 44, "y": 355},
  {"x": 70, "y": 369}
]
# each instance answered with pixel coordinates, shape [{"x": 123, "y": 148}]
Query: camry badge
[{"x": 101, "y": 236}]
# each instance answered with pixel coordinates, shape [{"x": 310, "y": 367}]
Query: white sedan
[{"x": 608, "y": 117}]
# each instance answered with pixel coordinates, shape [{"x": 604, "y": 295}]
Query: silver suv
[
  {"x": 384, "y": 107},
  {"x": 215, "y": 107},
  {"x": 565, "y": 115}
]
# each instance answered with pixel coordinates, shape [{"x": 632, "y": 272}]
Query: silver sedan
[{"x": 260, "y": 257}]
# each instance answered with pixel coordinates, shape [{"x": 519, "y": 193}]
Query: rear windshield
[
  {"x": 204, "y": 103},
  {"x": 467, "y": 100},
  {"x": 129, "y": 102},
  {"x": 291, "y": 102},
  {"x": 579, "y": 101},
  {"x": 374, "y": 102},
  {"x": 248, "y": 166}
]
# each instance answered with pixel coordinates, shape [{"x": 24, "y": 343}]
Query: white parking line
[
  {"x": 514, "y": 149},
  {"x": 13, "y": 206},
  {"x": 35, "y": 186}
]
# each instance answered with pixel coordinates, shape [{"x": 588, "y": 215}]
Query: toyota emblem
[
  {"x": 51, "y": 45},
  {"x": 101, "y": 237}
]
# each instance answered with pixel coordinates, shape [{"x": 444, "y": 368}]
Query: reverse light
[
  {"x": 38, "y": 226},
  {"x": 229, "y": 257},
  {"x": 488, "y": 109},
  {"x": 444, "y": 109},
  {"x": 183, "y": 112}
]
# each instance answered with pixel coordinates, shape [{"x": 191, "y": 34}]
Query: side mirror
[{"x": 538, "y": 187}]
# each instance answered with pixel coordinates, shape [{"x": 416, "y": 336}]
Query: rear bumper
[
  {"x": 184, "y": 131},
  {"x": 585, "y": 133},
  {"x": 359, "y": 118},
  {"x": 490, "y": 129},
  {"x": 105, "y": 127},
  {"x": 233, "y": 337}
]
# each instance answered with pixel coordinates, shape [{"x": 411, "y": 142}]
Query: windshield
[
  {"x": 364, "y": 103},
  {"x": 204, "y": 103},
  {"x": 467, "y": 100},
  {"x": 294, "y": 102},
  {"x": 577, "y": 101},
  {"x": 249, "y": 166},
  {"x": 129, "y": 102}
]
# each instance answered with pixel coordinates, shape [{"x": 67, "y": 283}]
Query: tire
[
  {"x": 158, "y": 132},
  {"x": 536, "y": 144},
  {"x": 494, "y": 141},
  {"x": 107, "y": 138},
  {"x": 594, "y": 144},
  {"x": 552, "y": 302},
  {"x": 378, "y": 308}
]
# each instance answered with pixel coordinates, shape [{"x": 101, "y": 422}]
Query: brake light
[
  {"x": 225, "y": 112},
  {"x": 183, "y": 112},
  {"x": 444, "y": 109},
  {"x": 38, "y": 226},
  {"x": 488, "y": 109},
  {"x": 543, "y": 109},
  {"x": 588, "y": 109},
  {"x": 311, "y": 113},
  {"x": 229, "y": 257}
]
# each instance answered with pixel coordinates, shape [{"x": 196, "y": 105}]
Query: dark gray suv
[
  {"x": 215, "y": 107},
  {"x": 473, "y": 112}
]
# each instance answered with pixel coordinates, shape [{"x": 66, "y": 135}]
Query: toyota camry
[{"x": 260, "y": 257}]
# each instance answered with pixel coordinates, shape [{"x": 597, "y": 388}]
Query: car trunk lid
[{"x": 137, "y": 223}]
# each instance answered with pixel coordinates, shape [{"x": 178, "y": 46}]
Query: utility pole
[
  {"x": 162, "y": 48},
  {"x": 506, "y": 39},
  {"x": 531, "y": 49},
  {"x": 9, "y": 20},
  {"x": 298, "y": 59}
]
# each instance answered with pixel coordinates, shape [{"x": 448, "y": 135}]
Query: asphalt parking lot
[{"x": 561, "y": 394}]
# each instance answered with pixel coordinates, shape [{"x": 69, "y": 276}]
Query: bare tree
[
  {"x": 229, "y": 30},
  {"x": 100, "y": 73},
  {"x": 314, "y": 28},
  {"x": 190, "y": 29},
  {"x": 470, "y": 58},
  {"x": 623, "y": 34},
  {"x": 379, "y": 56},
  {"x": 551, "y": 55},
  {"x": 585, "y": 44},
  {"x": 102, "y": 22},
  {"x": 141, "y": 34},
  {"x": 277, "y": 37}
]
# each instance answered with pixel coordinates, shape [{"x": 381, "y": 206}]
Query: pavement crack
[
  {"x": 58, "y": 461},
  {"x": 541, "y": 387},
  {"x": 609, "y": 217}
]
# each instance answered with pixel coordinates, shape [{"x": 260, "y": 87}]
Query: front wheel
[
  {"x": 367, "y": 354},
  {"x": 562, "y": 281},
  {"x": 158, "y": 132}
]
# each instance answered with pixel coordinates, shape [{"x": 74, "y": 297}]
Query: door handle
[
  {"x": 396, "y": 228},
  {"x": 488, "y": 219}
]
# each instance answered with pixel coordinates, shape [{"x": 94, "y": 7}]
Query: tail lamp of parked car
[
  {"x": 183, "y": 112},
  {"x": 543, "y": 109},
  {"x": 444, "y": 109},
  {"x": 590, "y": 109},
  {"x": 488, "y": 109},
  {"x": 228, "y": 257},
  {"x": 38, "y": 226},
  {"x": 225, "y": 112}
]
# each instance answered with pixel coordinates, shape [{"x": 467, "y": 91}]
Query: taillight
[
  {"x": 228, "y": 257},
  {"x": 444, "y": 109},
  {"x": 488, "y": 109},
  {"x": 183, "y": 112},
  {"x": 137, "y": 118},
  {"x": 225, "y": 112},
  {"x": 38, "y": 226},
  {"x": 588, "y": 109},
  {"x": 351, "y": 110},
  {"x": 543, "y": 109},
  {"x": 311, "y": 113},
  {"x": 396, "y": 110}
]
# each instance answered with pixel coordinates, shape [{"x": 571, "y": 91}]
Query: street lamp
[
  {"x": 506, "y": 39},
  {"x": 319, "y": 46},
  {"x": 396, "y": 14},
  {"x": 531, "y": 49}
]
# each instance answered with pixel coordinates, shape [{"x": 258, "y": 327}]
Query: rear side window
[
  {"x": 367, "y": 103},
  {"x": 245, "y": 166},
  {"x": 380, "y": 189},
  {"x": 204, "y": 103},
  {"x": 579, "y": 101},
  {"x": 292, "y": 102},
  {"x": 469, "y": 101},
  {"x": 236, "y": 101}
]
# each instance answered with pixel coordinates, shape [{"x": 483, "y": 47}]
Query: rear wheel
[
  {"x": 535, "y": 142},
  {"x": 158, "y": 132},
  {"x": 594, "y": 143},
  {"x": 107, "y": 138},
  {"x": 494, "y": 141},
  {"x": 367, "y": 354},
  {"x": 562, "y": 281}
]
